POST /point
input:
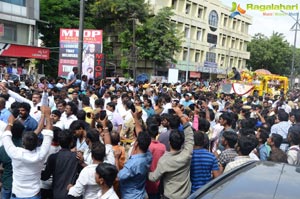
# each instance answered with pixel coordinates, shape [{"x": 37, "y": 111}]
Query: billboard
[
  {"x": 92, "y": 50},
  {"x": 173, "y": 75}
]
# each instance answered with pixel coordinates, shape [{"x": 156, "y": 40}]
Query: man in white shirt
[
  {"x": 28, "y": 162},
  {"x": 106, "y": 98},
  {"x": 168, "y": 104},
  {"x": 105, "y": 176},
  {"x": 282, "y": 127},
  {"x": 86, "y": 185},
  {"x": 69, "y": 115},
  {"x": 14, "y": 69},
  {"x": 244, "y": 146},
  {"x": 5, "y": 78},
  {"x": 72, "y": 74},
  {"x": 36, "y": 101},
  {"x": 121, "y": 105},
  {"x": 114, "y": 116}
]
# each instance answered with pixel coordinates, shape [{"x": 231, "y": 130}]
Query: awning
[{"x": 14, "y": 50}]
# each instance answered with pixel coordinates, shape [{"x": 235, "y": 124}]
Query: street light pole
[
  {"x": 228, "y": 62},
  {"x": 295, "y": 26},
  {"x": 296, "y": 29},
  {"x": 80, "y": 39},
  {"x": 188, "y": 57}
]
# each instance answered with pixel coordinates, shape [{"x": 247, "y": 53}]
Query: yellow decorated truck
[{"x": 265, "y": 82}]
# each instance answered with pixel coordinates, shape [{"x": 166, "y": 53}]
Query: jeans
[
  {"x": 38, "y": 196},
  {"x": 5, "y": 193}
]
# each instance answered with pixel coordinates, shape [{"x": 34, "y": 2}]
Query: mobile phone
[
  {"x": 102, "y": 114},
  {"x": 38, "y": 108}
]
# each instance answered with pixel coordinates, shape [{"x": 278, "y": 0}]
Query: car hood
[{"x": 257, "y": 180}]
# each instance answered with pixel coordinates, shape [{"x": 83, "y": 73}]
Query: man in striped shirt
[{"x": 204, "y": 165}]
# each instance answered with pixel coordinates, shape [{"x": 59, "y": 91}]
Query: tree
[
  {"x": 59, "y": 14},
  {"x": 115, "y": 13},
  {"x": 297, "y": 62},
  {"x": 117, "y": 18},
  {"x": 157, "y": 38},
  {"x": 274, "y": 53}
]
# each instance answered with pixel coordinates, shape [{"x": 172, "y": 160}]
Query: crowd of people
[{"x": 83, "y": 138}]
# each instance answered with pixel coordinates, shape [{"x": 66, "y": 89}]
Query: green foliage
[
  {"x": 274, "y": 53},
  {"x": 117, "y": 12},
  {"x": 297, "y": 62},
  {"x": 59, "y": 14},
  {"x": 124, "y": 63},
  {"x": 124, "y": 66},
  {"x": 126, "y": 42},
  {"x": 157, "y": 38}
]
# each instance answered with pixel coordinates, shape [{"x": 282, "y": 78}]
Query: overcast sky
[{"x": 269, "y": 24}]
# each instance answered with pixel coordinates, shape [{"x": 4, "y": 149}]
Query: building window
[
  {"x": 243, "y": 27},
  {"x": 174, "y": 4},
  {"x": 211, "y": 57},
  {"x": 199, "y": 35},
  {"x": 200, "y": 12},
  {"x": 187, "y": 32},
  {"x": 213, "y": 20},
  {"x": 10, "y": 33},
  {"x": 212, "y": 39},
  {"x": 225, "y": 22},
  {"x": 233, "y": 25},
  {"x": 241, "y": 45},
  {"x": 16, "y": 2},
  {"x": 222, "y": 61},
  {"x": 187, "y": 8},
  {"x": 233, "y": 43},
  {"x": 197, "y": 56},
  {"x": 231, "y": 62},
  {"x": 185, "y": 55},
  {"x": 224, "y": 41}
]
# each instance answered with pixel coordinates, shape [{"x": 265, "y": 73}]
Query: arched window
[{"x": 213, "y": 20}]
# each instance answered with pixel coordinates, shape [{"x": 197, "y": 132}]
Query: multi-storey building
[
  {"x": 19, "y": 31},
  {"x": 213, "y": 42}
]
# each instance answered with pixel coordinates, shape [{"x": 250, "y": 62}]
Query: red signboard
[
  {"x": 195, "y": 74},
  {"x": 68, "y": 52},
  {"x": 1, "y": 29},
  {"x": 13, "y": 50}
]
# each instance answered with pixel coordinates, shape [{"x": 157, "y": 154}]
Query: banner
[
  {"x": 1, "y": 29},
  {"x": 173, "y": 75},
  {"x": 92, "y": 57},
  {"x": 14, "y": 50}
]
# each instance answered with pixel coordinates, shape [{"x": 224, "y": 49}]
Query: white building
[{"x": 213, "y": 42}]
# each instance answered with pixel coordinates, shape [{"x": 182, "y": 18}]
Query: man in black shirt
[
  {"x": 237, "y": 75},
  {"x": 63, "y": 165}
]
